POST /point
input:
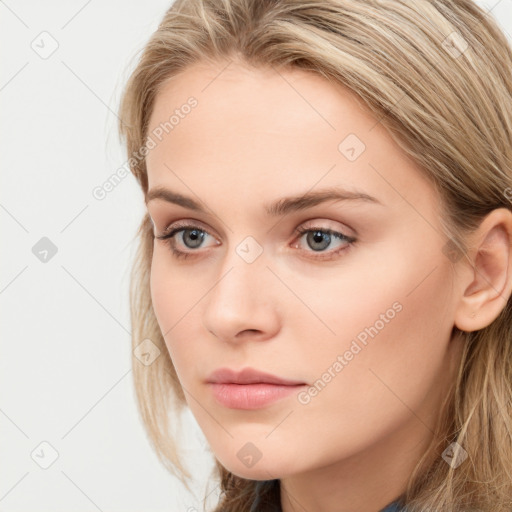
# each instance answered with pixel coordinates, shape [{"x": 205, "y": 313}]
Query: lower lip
[{"x": 251, "y": 396}]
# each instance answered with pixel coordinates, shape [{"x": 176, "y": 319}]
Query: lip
[
  {"x": 248, "y": 376},
  {"x": 249, "y": 388}
]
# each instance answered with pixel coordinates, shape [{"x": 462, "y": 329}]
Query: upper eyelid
[
  {"x": 304, "y": 227},
  {"x": 307, "y": 225}
]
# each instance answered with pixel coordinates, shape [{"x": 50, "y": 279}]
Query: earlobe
[{"x": 489, "y": 286}]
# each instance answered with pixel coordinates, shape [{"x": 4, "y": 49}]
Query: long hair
[{"x": 438, "y": 76}]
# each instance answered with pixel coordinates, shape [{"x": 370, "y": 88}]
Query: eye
[
  {"x": 317, "y": 238},
  {"x": 191, "y": 237}
]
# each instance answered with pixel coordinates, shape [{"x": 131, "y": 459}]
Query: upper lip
[{"x": 248, "y": 376}]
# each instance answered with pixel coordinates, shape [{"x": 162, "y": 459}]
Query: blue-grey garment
[
  {"x": 394, "y": 507},
  {"x": 257, "y": 506}
]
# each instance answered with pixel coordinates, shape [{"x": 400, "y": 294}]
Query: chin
[{"x": 238, "y": 463}]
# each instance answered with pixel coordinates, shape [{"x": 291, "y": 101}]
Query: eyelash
[{"x": 168, "y": 239}]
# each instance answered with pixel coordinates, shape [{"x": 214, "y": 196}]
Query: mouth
[{"x": 249, "y": 388}]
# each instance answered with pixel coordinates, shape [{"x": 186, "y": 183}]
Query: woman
[{"x": 325, "y": 261}]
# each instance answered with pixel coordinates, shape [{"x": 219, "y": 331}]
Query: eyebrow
[{"x": 280, "y": 207}]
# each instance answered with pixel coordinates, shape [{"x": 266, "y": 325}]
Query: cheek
[
  {"x": 394, "y": 296},
  {"x": 176, "y": 294},
  {"x": 162, "y": 290},
  {"x": 173, "y": 288},
  {"x": 392, "y": 330},
  {"x": 170, "y": 300}
]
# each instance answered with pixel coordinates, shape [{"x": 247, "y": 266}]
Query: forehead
[
  {"x": 266, "y": 99},
  {"x": 288, "y": 129}
]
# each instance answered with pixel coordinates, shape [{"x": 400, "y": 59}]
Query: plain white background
[{"x": 66, "y": 375}]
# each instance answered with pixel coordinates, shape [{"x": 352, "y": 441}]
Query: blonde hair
[{"x": 448, "y": 106}]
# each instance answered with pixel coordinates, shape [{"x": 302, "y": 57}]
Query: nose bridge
[
  {"x": 239, "y": 279},
  {"x": 240, "y": 298},
  {"x": 243, "y": 268}
]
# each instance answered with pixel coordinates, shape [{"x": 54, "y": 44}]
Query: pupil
[{"x": 318, "y": 237}]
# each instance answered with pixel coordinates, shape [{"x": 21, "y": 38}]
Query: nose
[{"x": 243, "y": 302}]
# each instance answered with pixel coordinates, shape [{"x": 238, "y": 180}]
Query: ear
[{"x": 488, "y": 283}]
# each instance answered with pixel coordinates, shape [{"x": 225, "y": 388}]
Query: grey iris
[
  {"x": 195, "y": 235},
  {"x": 316, "y": 237}
]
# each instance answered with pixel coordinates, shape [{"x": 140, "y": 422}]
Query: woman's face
[{"x": 358, "y": 308}]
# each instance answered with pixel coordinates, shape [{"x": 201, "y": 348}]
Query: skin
[{"x": 257, "y": 136}]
